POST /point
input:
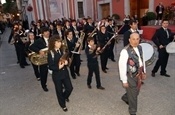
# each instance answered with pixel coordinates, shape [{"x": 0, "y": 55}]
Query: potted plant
[
  {"x": 115, "y": 16},
  {"x": 151, "y": 16}
]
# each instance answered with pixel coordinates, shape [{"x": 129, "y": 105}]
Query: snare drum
[{"x": 148, "y": 53}]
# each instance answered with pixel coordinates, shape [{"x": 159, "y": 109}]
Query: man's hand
[
  {"x": 161, "y": 46},
  {"x": 125, "y": 85}
]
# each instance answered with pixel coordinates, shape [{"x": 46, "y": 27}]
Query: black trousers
[
  {"x": 36, "y": 70},
  {"x": 104, "y": 59},
  {"x": 93, "y": 68},
  {"x": 75, "y": 65},
  {"x": 62, "y": 95},
  {"x": 162, "y": 61},
  {"x": 111, "y": 53},
  {"x": 131, "y": 95},
  {"x": 17, "y": 51},
  {"x": 21, "y": 54},
  {"x": 43, "y": 70},
  {"x": 159, "y": 16}
]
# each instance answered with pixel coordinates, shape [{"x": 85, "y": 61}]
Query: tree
[{"x": 9, "y": 7}]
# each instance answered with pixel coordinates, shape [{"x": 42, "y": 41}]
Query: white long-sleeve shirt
[{"x": 123, "y": 59}]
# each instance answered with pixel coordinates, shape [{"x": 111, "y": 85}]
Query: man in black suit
[
  {"x": 37, "y": 47},
  {"x": 59, "y": 31},
  {"x": 111, "y": 31},
  {"x": 161, "y": 38},
  {"x": 134, "y": 25},
  {"x": 159, "y": 11}
]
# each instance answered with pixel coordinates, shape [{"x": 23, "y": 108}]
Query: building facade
[{"x": 97, "y": 9}]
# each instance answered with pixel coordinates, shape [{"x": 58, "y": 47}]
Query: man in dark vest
[{"x": 132, "y": 71}]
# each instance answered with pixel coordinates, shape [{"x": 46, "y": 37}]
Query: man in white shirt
[{"x": 132, "y": 71}]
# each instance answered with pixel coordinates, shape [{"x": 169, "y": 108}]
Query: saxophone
[{"x": 37, "y": 59}]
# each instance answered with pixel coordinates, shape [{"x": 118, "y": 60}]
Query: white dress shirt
[
  {"x": 123, "y": 59},
  {"x": 46, "y": 40}
]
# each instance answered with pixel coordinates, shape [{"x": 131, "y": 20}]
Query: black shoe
[
  {"x": 89, "y": 86},
  {"x": 67, "y": 100},
  {"x": 153, "y": 74},
  {"x": 107, "y": 68},
  {"x": 102, "y": 88},
  {"x": 166, "y": 75},
  {"x": 73, "y": 77},
  {"x": 104, "y": 71},
  {"x": 65, "y": 109},
  {"x": 142, "y": 82},
  {"x": 26, "y": 64},
  {"x": 22, "y": 66},
  {"x": 113, "y": 60},
  {"x": 45, "y": 89},
  {"x": 132, "y": 114}
]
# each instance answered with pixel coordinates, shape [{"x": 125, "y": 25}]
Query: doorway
[
  {"x": 105, "y": 8},
  {"x": 138, "y": 7}
]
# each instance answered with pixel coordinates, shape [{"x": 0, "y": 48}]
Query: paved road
[{"x": 21, "y": 93}]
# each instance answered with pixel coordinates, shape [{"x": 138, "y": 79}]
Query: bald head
[{"x": 134, "y": 39}]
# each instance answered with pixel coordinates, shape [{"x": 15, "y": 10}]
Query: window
[{"x": 80, "y": 10}]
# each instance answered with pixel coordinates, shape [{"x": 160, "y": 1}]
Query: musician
[
  {"x": 52, "y": 29},
  {"x": 38, "y": 30},
  {"x": 74, "y": 28},
  {"x": 159, "y": 11},
  {"x": 32, "y": 39},
  {"x": 85, "y": 30},
  {"x": 11, "y": 39},
  {"x": 92, "y": 63},
  {"x": 59, "y": 31},
  {"x": 60, "y": 73},
  {"x": 111, "y": 31},
  {"x": 162, "y": 37},
  {"x": 89, "y": 30},
  {"x": 16, "y": 35},
  {"x": 103, "y": 39},
  {"x": 133, "y": 28},
  {"x": 37, "y": 47},
  {"x": 132, "y": 71},
  {"x": 67, "y": 25},
  {"x": 73, "y": 45}
]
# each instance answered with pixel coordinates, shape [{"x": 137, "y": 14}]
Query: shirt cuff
[{"x": 124, "y": 81}]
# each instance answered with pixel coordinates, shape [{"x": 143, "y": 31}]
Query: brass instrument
[
  {"x": 81, "y": 39},
  {"x": 64, "y": 46},
  {"x": 64, "y": 57},
  {"x": 93, "y": 32},
  {"x": 37, "y": 59}
]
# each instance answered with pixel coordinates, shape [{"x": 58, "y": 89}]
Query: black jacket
[{"x": 160, "y": 37}]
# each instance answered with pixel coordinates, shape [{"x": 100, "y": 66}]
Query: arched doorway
[{"x": 138, "y": 7}]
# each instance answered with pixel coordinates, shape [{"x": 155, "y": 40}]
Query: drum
[
  {"x": 148, "y": 53},
  {"x": 170, "y": 48}
]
